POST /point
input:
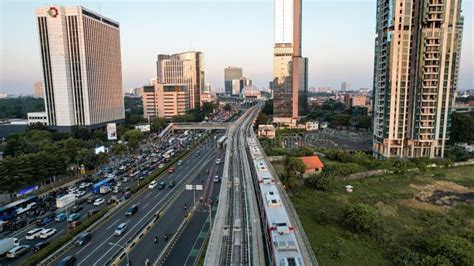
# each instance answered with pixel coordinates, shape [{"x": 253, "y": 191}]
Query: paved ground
[{"x": 99, "y": 250}]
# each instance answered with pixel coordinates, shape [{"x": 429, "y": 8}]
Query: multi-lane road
[{"x": 104, "y": 245}]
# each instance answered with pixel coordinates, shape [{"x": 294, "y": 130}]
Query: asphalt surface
[
  {"x": 172, "y": 219},
  {"x": 99, "y": 250},
  {"x": 61, "y": 227}
]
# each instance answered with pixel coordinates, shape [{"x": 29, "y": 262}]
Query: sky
[{"x": 338, "y": 39}]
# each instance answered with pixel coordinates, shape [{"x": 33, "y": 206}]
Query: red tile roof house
[{"x": 313, "y": 165}]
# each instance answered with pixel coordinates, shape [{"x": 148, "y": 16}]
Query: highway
[
  {"x": 100, "y": 250},
  {"x": 174, "y": 216}
]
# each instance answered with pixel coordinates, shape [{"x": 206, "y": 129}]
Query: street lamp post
[
  {"x": 122, "y": 247},
  {"x": 194, "y": 188}
]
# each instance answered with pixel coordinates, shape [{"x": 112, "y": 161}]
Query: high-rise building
[
  {"x": 231, "y": 73},
  {"x": 417, "y": 52},
  {"x": 345, "y": 86},
  {"x": 38, "y": 89},
  {"x": 165, "y": 100},
  {"x": 290, "y": 69},
  {"x": 82, "y": 72},
  {"x": 186, "y": 69}
]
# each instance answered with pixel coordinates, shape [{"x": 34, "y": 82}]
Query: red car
[{"x": 171, "y": 170}]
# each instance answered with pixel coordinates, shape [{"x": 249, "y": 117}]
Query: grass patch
[{"x": 407, "y": 231}]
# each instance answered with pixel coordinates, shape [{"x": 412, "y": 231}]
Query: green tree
[
  {"x": 133, "y": 137},
  {"x": 294, "y": 168},
  {"x": 361, "y": 217},
  {"x": 462, "y": 128},
  {"x": 458, "y": 250},
  {"x": 323, "y": 181},
  {"x": 119, "y": 149},
  {"x": 158, "y": 124}
]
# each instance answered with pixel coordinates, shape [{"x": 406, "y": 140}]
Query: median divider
[
  {"x": 63, "y": 244},
  {"x": 174, "y": 239}
]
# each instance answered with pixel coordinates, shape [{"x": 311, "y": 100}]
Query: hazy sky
[{"x": 338, "y": 39}]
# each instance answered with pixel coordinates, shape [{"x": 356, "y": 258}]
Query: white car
[
  {"x": 218, "y": 161},
  {"x": 80, "y": 193},
  {"x": 34, "y": 233},
  {"x": 47, "y": 233},
  {"x": 120, "y": 229},
  {"x": 216, "y": 179},
  {"x": 152, "y": 184},
  {"x": 161, "y": 165},
  {"x": 84, "y": 185},
  {"x": 99, "y": 201},
  {"x": 73, "y": 190}
]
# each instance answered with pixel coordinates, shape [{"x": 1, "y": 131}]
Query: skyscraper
[
  {"x": 38, "y": 89},
  {"x": 231, "y": 73},
  {"x": 345, "y": 86},
  {"x": 290, "y": 83},
  {"x": 186, "y": 69},
  {"x": 80, "y": 52},
  {"x": 417, "y": 51},
  {"x": 165, "y": 100}
]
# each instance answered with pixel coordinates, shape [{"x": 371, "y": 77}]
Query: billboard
[
  {"x": 111, "y": 131},
  {"x": 143, "y": 128}
]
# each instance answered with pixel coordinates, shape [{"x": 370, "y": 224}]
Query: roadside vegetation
[
  {"x": 407, "y": 218},
  {"x": 19, "y": 107}
]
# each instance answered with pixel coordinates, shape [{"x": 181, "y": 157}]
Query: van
[
  {"x": 132, "y": 210},
  {"x": 120, "y": 229},
  {"x": 34, "y": 233},
  {"x": 83, "y": 239},
  {"x": 18, "y": 251}
]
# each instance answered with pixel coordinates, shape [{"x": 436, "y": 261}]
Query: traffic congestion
[{"x": 32, "y": 223}]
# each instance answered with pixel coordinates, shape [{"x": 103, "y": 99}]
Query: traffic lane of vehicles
[
  {"x": 61, "y": 229},
  {"x": 168, "y": 223},
  {"x": 93, "y": 251}
]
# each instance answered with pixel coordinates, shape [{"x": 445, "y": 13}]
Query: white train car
[{"x": 281, "y": 239}]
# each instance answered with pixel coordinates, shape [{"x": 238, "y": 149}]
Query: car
[
  {"x": 18, "y": 251},
  {"x": 92, "y": 212},
  {"x": 218, "y": 161},
  {"x": 171, "y": 184},
  {"x": 161, "y": 165},
  {"x": 132, "y": 210},
  {"x": 125, "y": 179},
  {"x": 80, "y": 193},
  {"x": 84, "y": 185},
  {"x": 74, "y": 224},
  {"x": 91, "y": 199},
  {"x": 171, "y": 170},
  {"x": 180, "y": 162},
  {"x": 152, "y": 184},
  {"x": 60, "y": 217},
  {"x": 47, "y": 233},
  {"x": 76, "y": 209},
  {"x": 120, "y": 229},
  {"x": 99, "y": 201},
  {"x": 40, "y": 245},
  {"x": 73, "y": 217},
  {"x": 67, "y": 261},
  {"x": 197, "y": 154},
  {"x": 162, "y": 185},
  {"x": 127, "y": 195},
  {"x": 216, "y": 179},
  {"x": 83, "y": 239},
  {"x": 73, "y": 190},
  {"x": 34, "y": 233}
]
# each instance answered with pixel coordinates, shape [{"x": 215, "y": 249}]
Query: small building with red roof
[{"x": 313, "y": 165}]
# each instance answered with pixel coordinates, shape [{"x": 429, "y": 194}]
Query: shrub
[
  {"x": 458, "y": 250},
  {"x": 323, "y": 181},
  {"x": 361, "y": 217}
]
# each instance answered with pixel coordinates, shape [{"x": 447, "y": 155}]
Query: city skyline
[{"x": 329, "y": 65}]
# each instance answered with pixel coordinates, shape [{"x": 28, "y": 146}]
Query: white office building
[{"x": 82, "y": 68}]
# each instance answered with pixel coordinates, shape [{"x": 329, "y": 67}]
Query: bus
[
  {"x": 18, "y": 207},
  {"x": 104, "y": 182},
  {"x": 221, "y": 142}
]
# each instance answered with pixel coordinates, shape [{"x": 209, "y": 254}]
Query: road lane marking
[
  {"x": 146, "y": 215},
  {"x": 82, "y": 249},
  {"x": 110, "y": 226}
]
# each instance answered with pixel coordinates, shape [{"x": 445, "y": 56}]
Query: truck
[
  {"x": 104, "y": 189},
  {"x": 8, "y": 243},
  {"x": 65, "y": 200}
]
